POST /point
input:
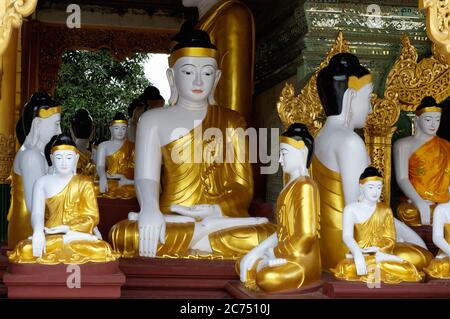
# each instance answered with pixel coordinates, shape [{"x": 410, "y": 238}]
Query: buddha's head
[
  {"x": 82, "y": 125},
  {"x": 118, "y": 127},
  {"x": 345, "y": 88},
  {"x": 296, "y": 149},
  {"x": 371, "y": 184},
  {"x": 193, "y": 72},
  {"x": 64, "y": 155},
  {"x": 41, "y": 119},
  {"x": 428, "y": 116},
  {"x": 152, "y": 98}
]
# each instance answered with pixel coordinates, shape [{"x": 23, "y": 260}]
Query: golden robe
[
  {"x": 378, "y": 231},
  {"x": 19, "y": 218},
  {"x": 186, "y": 181},
  {"x": 298, "y": 240},
  {"x": 429, "y": 173},
  {"x": 231, "y": 28},
  {"x": 121, "y": 162},
  {"x": 85, "y": 166},
  {"x": 76, "y": 207},
  {"x": 440, "y": 267}
]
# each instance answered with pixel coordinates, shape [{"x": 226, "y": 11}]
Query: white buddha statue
[
  {"x": 64, "y": 215},
  {"x": 187, "y": 202},
  {"x": 345, "y": 89},
  {"x": 422, "y": 166},
  {"x": 41, "y": 118},
  {"x": 115, "y": 162}
]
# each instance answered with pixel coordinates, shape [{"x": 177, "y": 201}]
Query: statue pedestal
[
  {"x": 113, "y": 211},
  {"x": 32, "y": 281},
  {"x": 426, "y": 233},
  {"x": 176, "y": 278},
  {"x": 237, "y": 290},
  {"x": 3, "y": 267}
]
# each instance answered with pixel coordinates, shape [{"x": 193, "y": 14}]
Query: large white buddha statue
[
  {"x": 345, "y": 88},
  {"x": 64, "y": 215},
  {"x": 115, "y": 162},
  {"x": 290, "y": 257},
  {"x": 370, "y": 236},
  {"x": 422, "y": 166},
  {"x": 179, "y": 170},
  {"x": 40, "y": 120}
]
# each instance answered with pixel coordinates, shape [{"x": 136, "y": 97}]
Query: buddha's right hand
[
  {"x": 38, "y": 243},
  {"x": 248, "y": 261},
  {"x": 360, "y": 263},
  {"x": 103, "y": 184},
  {"x": 425, "y": 212},
  {"x": 152, "y": 231}
]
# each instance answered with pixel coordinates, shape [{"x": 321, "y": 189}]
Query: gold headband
[
  {"x": 370, "y": 179},
  {"x": 429, "y": 109},
  {"x": 65, "y": 148},
  {"x": 292, "y": 142},
  {"x": 357, "y": 83},
  {"x": 45, "y": 113},
  {"x": 119, "y": 122},
  {"x": 194, "y": 52}
]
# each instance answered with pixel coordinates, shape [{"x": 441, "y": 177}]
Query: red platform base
[
  {"x": 176, "y": 278},
  {"x": 426, "y": 233},
  {"x": 113, "y": 211},
  {"x": 237, "y": 290},
  {"x": 97, "y": 280}
]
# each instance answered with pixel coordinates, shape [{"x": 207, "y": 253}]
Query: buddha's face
[
  {"x": 118, "y": 131},
  {"x": 65, "y": 161},
  {"x": 361, "y": 105},
  {"x": 48, "y": 127},
  {"x": 371, "y": 190},
  {"x": 429, "y": 122},
  {"x": 291, "y": 158},
  {"x": 195, "y": 77}
]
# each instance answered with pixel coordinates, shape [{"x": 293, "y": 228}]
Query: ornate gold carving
[
  {"x": 438, "y": 24},
  {"x": 306, "y": 108},
  {"x": 7, "y": 152},
  {"x": 121, "y": 43},
  {"x": 412, "y": 80}
]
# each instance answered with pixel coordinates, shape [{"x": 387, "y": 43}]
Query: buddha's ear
[
  {"x": 33, "y": 136},
  {"x": 211, "y": 99},
  {"x": 173, "y": 88},
  {"x": 77, "y": 158},
  {"x": 347, "y": 105}
]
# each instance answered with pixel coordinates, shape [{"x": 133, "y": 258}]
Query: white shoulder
[
  {"x": 403, "y": 142},
  {"x": 153, "y": 116}
]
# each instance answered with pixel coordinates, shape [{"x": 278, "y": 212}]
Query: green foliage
[{"x": 99, "y": 83}]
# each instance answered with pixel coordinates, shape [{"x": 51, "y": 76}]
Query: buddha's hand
[
  {"x": 197, "y": 211},
  {"x": 380, "y": 257},
  {"x": 103, "y": 184},
  {"x": 125, "y": 181},
  {"x": 75, "y": 235},
  {"x": 38, "y": 243},
  {"x": 61, "y": 229},
  {"x": 152, "y": 230},
  {"x": 425, "y": 212},
  {"x": 248, "y": 261},
  {"x": 360, "y": 263}
]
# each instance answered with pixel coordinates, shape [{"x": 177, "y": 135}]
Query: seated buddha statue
[
  {"x": 40, "y": 120},
  {"x": 439, "y": 267},
  {"x": 369, "y": 234},
  {"x": 82, "y": 130},
  {"x": 187, "y": 194},
  {"x": 115, "y": 162},
  {"x": 231, "y": 27},
  {"x": 64, "y": 233},
  {"x": 422, "y": 166},
  {"x": 290, "y": 257},
  {"x": 340, "y": 157}
]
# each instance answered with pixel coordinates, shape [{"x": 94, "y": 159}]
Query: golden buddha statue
[
  {"x": 82, "y": 130},
  {"x": 230, "y": 26},
  {"x": 200, "y": 189},
  {"x": 290, "y": 257},
  {"x": 40, "y": 120},
  {"x": 115, "y": 162},
  {"x": 422, "y": 165},
  {"x": 65, "y": 232},
  {"x": 369, "y": 233}
]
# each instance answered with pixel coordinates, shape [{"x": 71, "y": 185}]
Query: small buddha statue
[
  {"x": 198, "y": 194},
  {"x": 369, "y": 234},
  {"x": 65, "y": 232},
  {"x": 290, "y": 257},
  {"x": 439, "y": 267},
  {"x": 40, "y": 120},
  {"x": 230, "y": 25},
  {"x": 422, "y": 166},
  {"x": 115, "y": 162},
  {"x": 340, "y": 157},
  {"x": 82, "y": 130}
]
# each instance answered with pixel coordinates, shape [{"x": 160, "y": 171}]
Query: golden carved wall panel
[
  {"x": 7, "y": 152},
  {"x": 412, "y": 80},
  {"x": 120, "y": 43}
]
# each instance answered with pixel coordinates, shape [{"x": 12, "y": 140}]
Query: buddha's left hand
[
  {"x": 125, "y": 181},
  {"x": 197, "y": 211},
  {"x": 380, "y": 257},
  {"x": 38, "y": 243},
  {"x": 74, "y": 235},
  {"x": 61, "y": 229}
]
